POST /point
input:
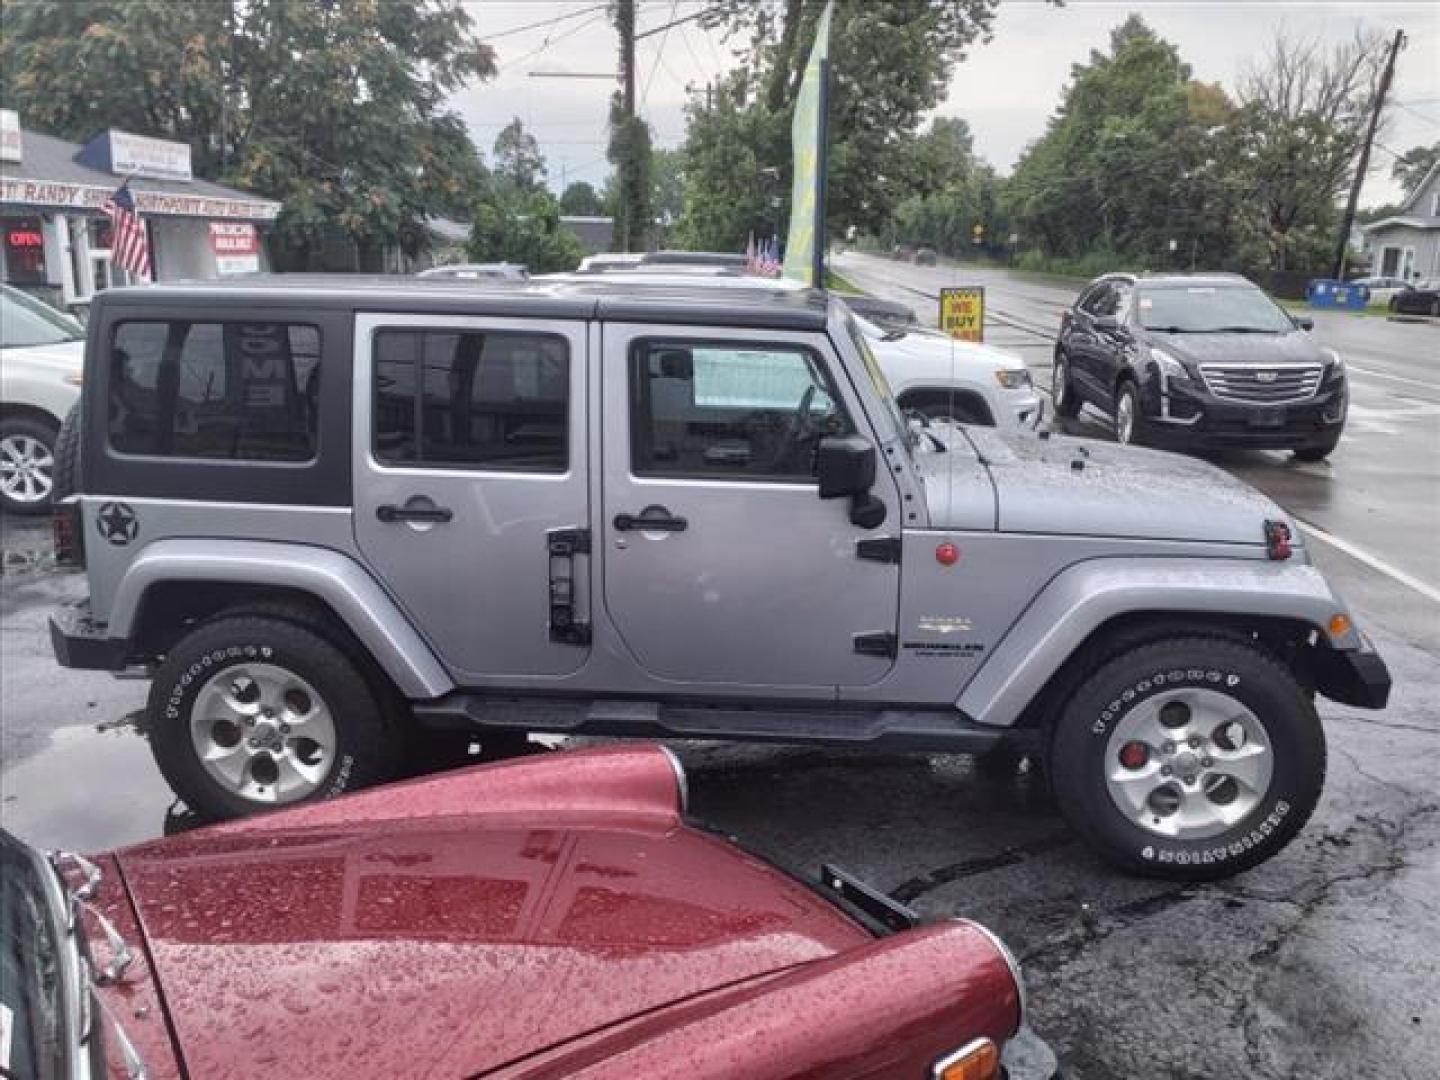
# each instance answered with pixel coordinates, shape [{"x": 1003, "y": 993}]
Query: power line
[
  {"x": 549, "y": 41},
  {"x": 543, "y": 22},
  {"x": 1417, "y": 113},
  {"x": 659, "y": 52}
]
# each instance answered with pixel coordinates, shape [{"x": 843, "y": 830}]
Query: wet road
[
  {"x": 1377, "y": 496},
  {"x": 1320, "y": 963}
]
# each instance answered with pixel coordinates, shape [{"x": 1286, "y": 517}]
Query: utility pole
[
  {"x": 1342, "y": 245},
  {"x": 624, "y": 168}
]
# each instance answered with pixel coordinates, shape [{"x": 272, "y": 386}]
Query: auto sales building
[{"x": 56, "y": 238}]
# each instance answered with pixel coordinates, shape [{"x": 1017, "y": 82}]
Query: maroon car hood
[{"x": 414, "y": 932}]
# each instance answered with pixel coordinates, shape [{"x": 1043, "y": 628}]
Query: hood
[
  {"x": 1118, "y": 491},
  {"x": 938, "y": 351},
  {"x": 1296, "y": 347},
  {"x": 470, "y": 927}
]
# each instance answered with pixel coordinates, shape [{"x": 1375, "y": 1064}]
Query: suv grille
[{"x": 1268, "y": 385}]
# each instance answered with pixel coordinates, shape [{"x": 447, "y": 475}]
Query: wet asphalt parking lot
[{"x": 1323, "y": 962}]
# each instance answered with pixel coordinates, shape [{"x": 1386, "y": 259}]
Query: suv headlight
[
  {"x": 1170, "y": 368},
  {"x": 1334, "y": 365},
  {"x": 1013, "y": 378}
]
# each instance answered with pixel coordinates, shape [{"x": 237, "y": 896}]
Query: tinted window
[
  {"x": 715, "y": 409},
  {"x": 1198, "y": 309},
  {"x": 235, "y": 391},
  {"x": 1102, "y": 299},
  {"x": 472, "y": 399},
  {"x": 33, "y": 1036}
]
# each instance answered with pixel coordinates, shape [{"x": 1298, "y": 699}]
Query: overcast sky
[{"x": 1005, "y": 88}]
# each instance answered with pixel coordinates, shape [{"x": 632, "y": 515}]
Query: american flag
[{"x": 128, "y": 246}]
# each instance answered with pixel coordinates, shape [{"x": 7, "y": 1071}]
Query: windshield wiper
[
  {"x": 1170, "y": 329},
  {"x": 915, "y": 416},
  {"x": 1241, "y": 330}
]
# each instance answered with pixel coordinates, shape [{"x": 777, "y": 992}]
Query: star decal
[{"x": 117, "y": 523}]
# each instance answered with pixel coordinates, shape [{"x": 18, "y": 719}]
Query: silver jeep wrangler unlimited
[{"x": 328, "y": 514}]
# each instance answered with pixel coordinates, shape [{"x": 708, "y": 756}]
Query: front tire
[
  {"x": 1130, "y": 425},
  {"x": 1062, "y": 388},
  {"x": 27, "y": 465},
  {"x": 1192, "y": 758},
  {"x": 249, "y": 713}
]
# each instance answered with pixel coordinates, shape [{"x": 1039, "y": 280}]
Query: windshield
[
  {"x": 27, "y": 321},
  {"x": 877, "y": 376},
  {"x": 1197, "y": 309},
  {"x": 32, "y": 1000}
]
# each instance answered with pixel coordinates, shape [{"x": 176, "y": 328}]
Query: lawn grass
[{"x": 839, "y": 283}]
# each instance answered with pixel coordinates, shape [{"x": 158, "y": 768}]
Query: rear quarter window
[{"x": 236, "y": 391}]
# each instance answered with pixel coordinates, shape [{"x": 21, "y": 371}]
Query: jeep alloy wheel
[
  {"x": 251, "y": 711},
  {"x": 263, "y": 732},
  {"x": 1190, "y": 758}
]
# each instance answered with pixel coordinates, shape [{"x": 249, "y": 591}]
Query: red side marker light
[
  {"x": 1277, "y": 540},
  {"x": 946, "y": 553}
]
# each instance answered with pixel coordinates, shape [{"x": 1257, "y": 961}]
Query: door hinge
[
  {"x": 880, "y": 644},
  {"x": 563, "y": 545},
  {"x": 884, "y": 549}
]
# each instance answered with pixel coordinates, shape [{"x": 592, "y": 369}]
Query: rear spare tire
[
  {"x": 248, "y": 713},
  {"x": 1192, "y": 758},
  {"x": 67, "y": 456}
]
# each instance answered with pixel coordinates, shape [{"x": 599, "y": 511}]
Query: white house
[{"x": 1408, "y": 244}]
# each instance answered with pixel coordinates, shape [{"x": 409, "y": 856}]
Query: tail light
[
  {"x": 67, "y": 531},
  {"x": 1277, "y": 540}
]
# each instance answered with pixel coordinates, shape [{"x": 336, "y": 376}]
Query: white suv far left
[{"x": 42, "y": 354}]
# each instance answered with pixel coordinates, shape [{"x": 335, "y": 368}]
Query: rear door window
[
  {"x": 472, "y": 399},
  {"x": 238, "y": 391}
]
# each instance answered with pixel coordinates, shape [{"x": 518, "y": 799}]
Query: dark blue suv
[{"x": 1191, "y": 361}]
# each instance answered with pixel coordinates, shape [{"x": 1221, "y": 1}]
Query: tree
[
  {"x": 518, "y": 161},
  {"x": 891, "y": 63},
  {"x": 516, "y": 225},
  {"x": 581, "y": 199},
  {"x": 1411, "y": 167},
  {"x": 667, "y": 185},
  {"x": 1127, "y": 162},
  {"x": 336, "y": 110}
]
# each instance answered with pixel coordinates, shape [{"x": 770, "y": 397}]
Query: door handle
[
  {"x": 652, "y": 518},
  {"x": 390, "y": 513}
]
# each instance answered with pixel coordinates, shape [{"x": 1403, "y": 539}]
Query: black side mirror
[
  {"x": 845, "y": 466},
  {"x": 1304, "y": 322},
  {"x": 1105, "y": 322}
]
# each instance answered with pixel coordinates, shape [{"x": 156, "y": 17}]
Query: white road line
[
  {"x": 1379, "y": 565},
  {"x": 1386, "y": 375}
]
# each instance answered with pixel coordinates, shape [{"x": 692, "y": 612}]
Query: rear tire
[
  {"x": 249, "y": 713},
  {"x": 67, "y": 456},
  {"x": 1253, "y": 724},
  {"x": 27, "y": 465}
]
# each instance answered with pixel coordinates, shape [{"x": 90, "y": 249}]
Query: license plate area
[{"x": 1265, "y": 418}]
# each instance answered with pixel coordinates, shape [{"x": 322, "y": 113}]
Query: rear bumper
[
  {"x": 1354, "y": 677},
  {"x": 80, "y": 642}
]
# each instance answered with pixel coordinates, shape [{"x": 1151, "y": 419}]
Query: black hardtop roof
[{"x": 602, "y": 297}]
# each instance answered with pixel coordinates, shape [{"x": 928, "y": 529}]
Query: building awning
[{"x": 49, "y": 176}]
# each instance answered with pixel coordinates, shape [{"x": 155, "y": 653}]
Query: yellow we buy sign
[{"x": 962, "y": 312}]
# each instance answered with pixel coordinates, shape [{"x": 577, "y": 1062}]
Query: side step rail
[{"x": 898, "y": 729}]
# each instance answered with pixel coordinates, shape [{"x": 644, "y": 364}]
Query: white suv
[
  {"x": 930, "y": 372},
  {"x": 42, "y": 354}
]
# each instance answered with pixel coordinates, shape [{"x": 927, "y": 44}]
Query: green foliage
[
  {"x": 523, "y": 226},
  {"x": 629, "y": 152},
  {"x": 518, "y": 161},
  {"x": 336, "y": 109},
  {"x": 581, "y": 199},
  {"x": 667, "y": 184},
  {"x": 891, "y": 63},
  {"x": 1414, "y": 165}
]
